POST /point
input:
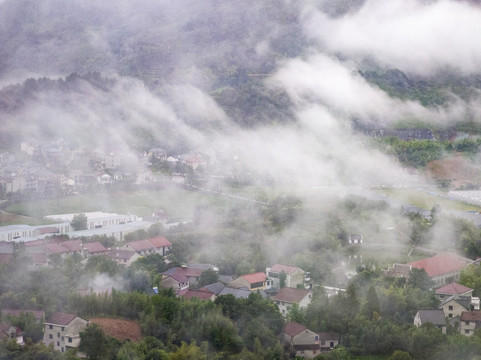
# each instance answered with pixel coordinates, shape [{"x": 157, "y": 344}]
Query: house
[
  {"x": 253, "y": 282},
  {"x": 123, "y": 257},
  {"x": 442, "y": 268},
  {"x": 215, "y": 288},
  {"x": 294, "y": 276},
  {"x": 95, "y": 248},
  {"x": 435, "y": 317},
  {"x": 240, "y": 293},
  {"x": 300, "y": 339},
  {"x": 453, "y": 289},
  {"x": 355, "y": 239},
  {"x": 329, "y": 340},
  {"x": 62, "y": 330},
  {"x": 398, "y": 270},
  {"x": 174, "y": 279},
  {"x": 455, "y": 305},
  {"x": 470, "y": 321},
  {"x": 287, "y": 297},
  {"x": 159, "y": 245},
  {"x": 202, "y": 294},
  {"x": 8, "y": 331}
]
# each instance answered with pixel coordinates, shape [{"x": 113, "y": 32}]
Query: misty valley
[{"x": 240, "y": 180}]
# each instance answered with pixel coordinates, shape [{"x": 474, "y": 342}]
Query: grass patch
[{"x": 427, "y": 200}]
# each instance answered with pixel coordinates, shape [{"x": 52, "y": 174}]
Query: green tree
[
  {"x": 371, "y": 307},
  {"x": 79, "y": 222},
  {"x": 94, "y": 343},
  {"x": 418, "y": 278},
  {"x": 208, "y": 277}
]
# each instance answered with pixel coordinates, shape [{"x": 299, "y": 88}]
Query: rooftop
[
  {"x": 288, "y": 269},
  {"x": 440, "y": 264},
  {"x": 292, "y": 295},
  {"x": 453, "y": 288},
  {"x": 294, "y": 328},
  {"x": 255, "y": 277},
  {"x": 60, "y": 318}
]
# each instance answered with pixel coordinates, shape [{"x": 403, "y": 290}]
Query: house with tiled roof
[
  {"x": 470, "y": 321},
  {"x": 201, "y": 294},
  {"x": 123, "y": 257},
  {"x": 442, "y": 268},
  {"x": 294, "y": 276},
  {"x": 453, "y": 289},
  {"x": 62, "y": 330},
  {"x": 158, "y": 245},
  {"x": 455, "y": 305},
  {"x": 175, "y": 279},
  {"x": 253, "y": 282},
  {"x": 435, "y": 317},
  {"x": 95, "y": 248},
  {"x": 287, "y": 297},
  {"x": 8, "y": 331},
  {"x": 305, "y": 342}
]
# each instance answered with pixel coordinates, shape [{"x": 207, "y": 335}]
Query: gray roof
[
  {"x": 464, "y": 301},
  {"x": 435, "y": 317},
  {"x": 216, "y": 288},
  {"x": 239, "y": 293}
]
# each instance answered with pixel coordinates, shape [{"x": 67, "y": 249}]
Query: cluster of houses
[{"x": 36, "y": 173}]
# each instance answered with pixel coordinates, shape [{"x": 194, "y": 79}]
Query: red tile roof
[
  {"x": 60, "y": 318},
  {"x": 471, "y": 316},
  {"x": 140, "y": 245},
  {"x": 95, "y": 247},
  {"x": 288, "y": 269},
  {"x": 293, "y": 328},
  {"x": 440, "y": 264},
  {"x": 159, "y": 242},
  {"x": 292, "y": 295},
  {"x": 255, "y": 277},
  {"x": 453, "y": 288},
  {"x": 201, "y": 294}
]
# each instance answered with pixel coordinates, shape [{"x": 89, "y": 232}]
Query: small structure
[
  {"x": 8, "y": 331},
  {"x": 123, "y": 257},
  {"x": 470, "y": 321},
  {"x": 435, "y": 317},
  {"x": 398, "y": 270},
  {"x": 253, "y": 282},
  {"x": 294, "y": 276},
  {"x": 306, "y": 343},
  {"x": 174, "y": 279},
  {"x": 62, "y": 330},
  {"x": 158, "y": 245},
  {"x": 355, "y": 239},
  {"x": 287, "y": 297}
]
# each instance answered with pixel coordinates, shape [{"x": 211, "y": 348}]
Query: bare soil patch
[{"x": 119, "y": 329}]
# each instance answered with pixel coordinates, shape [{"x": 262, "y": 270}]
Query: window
[
  {"x": 50, "y": 326},
  {"x": 332, "y": 344},
  {"x": 50, "y": 336},
  {"x": 69, "y": 339},
  {"x": 466, "y": 331},
  {"x": 58, "y": 343},
  {"x": 58, "y": 334},
  {"x": 316, "y": 338},
  {"x": 466, "y": 322},
  {"x": 450, "y": 315},
  {"x": 323, "y": 342},
  {"x": 62, "y": 349},
  {"x": 450, "y": 307},
  {"x": 63, "y": 329}
]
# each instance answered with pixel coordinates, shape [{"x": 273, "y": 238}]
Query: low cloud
[{"x": 414, "y": 36}]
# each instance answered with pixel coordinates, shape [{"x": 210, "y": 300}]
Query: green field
[
  {"x": 426, "y": 200},
  {"x": 177, "y": 202}
]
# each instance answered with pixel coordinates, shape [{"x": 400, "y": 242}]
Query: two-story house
[
  {"x": 306, "y": 343},
  {"x": 293, "y": 276},
  {"x": 287, "y": 297},
  {"x": 470, "y": 321},
  {"x": 452, "y": 289},
  {"x": 62, "y": 330},
  {"x": 455, "y": 305}
]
